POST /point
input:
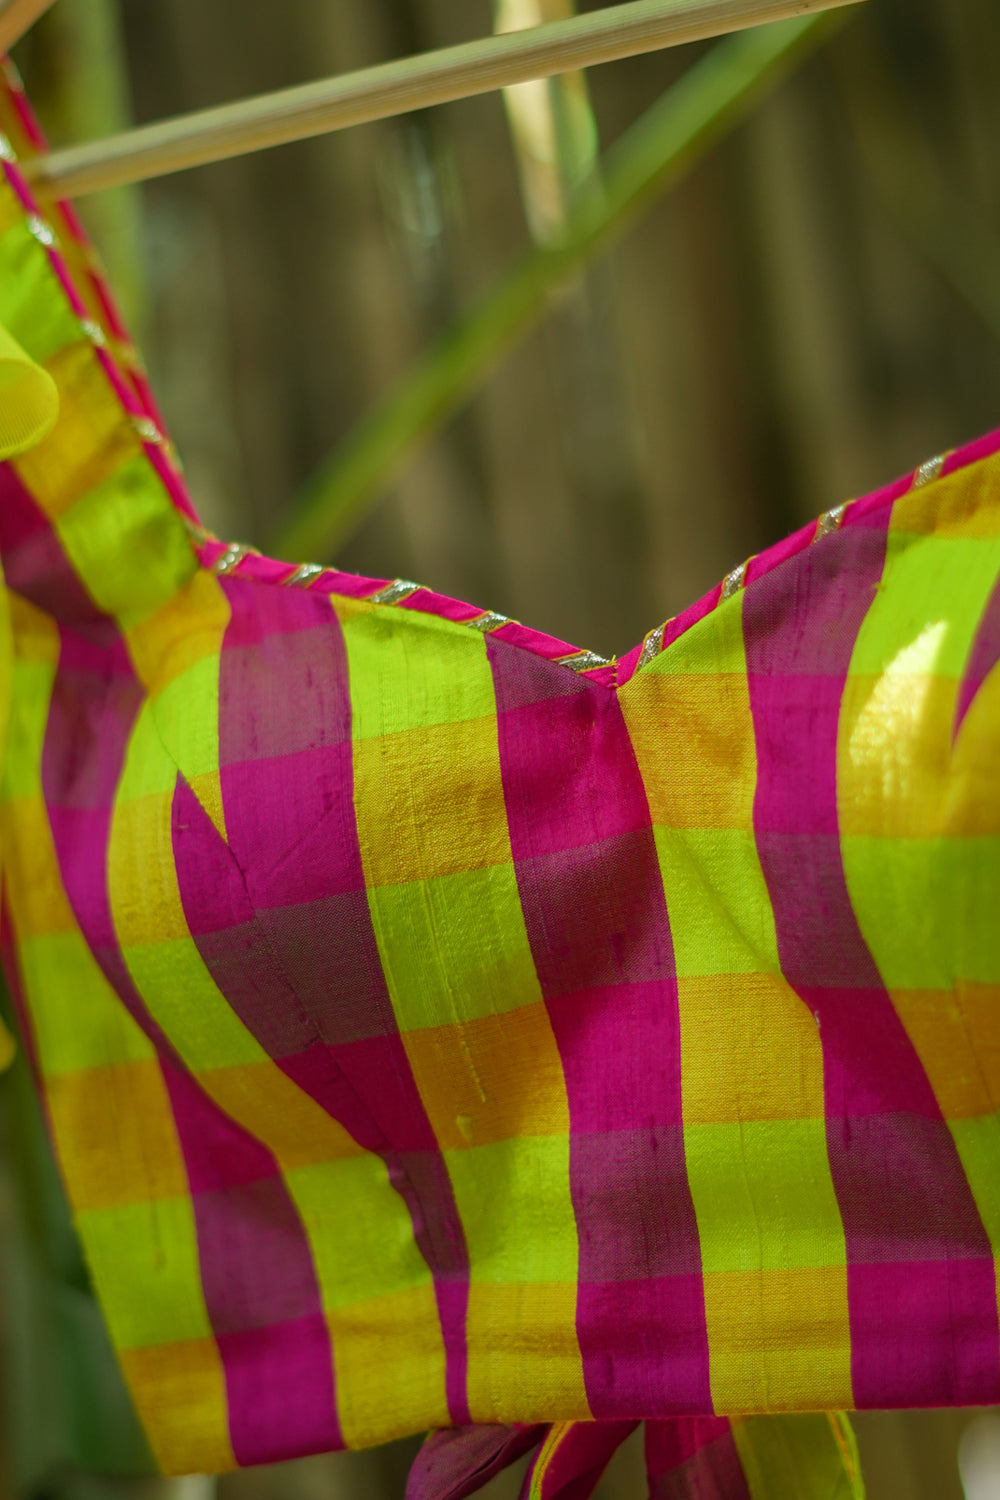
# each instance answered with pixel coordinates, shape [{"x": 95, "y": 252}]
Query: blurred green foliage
[
  {"x": 653, "y": 156},
  {"x": 66, "y": 1410}
]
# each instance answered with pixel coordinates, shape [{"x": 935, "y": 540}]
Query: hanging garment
[{"x": 440, "y": 1028}]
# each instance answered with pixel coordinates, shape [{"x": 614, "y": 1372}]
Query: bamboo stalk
[
  {"x": 655, "y": 153},
  {"x": 17, "y": 17},
  {"x": 401, "y": 86}
]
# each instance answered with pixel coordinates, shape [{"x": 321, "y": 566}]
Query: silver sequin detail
[
  {"x": 651, "y": 647},
  {"x": 94, "y": 332},
  {"x": 583, "y": 661},
  {"x": 147, "y": 430},
  {"x": 402, "y": 588},
  {"x": 734, "y": 581},
  {"x": 830, "y": 520},
  {"x": 231, "y": 558},
  {"x": 6, "y": 149},
  {"x": 929, "y": 471},
  {"x": 44, "y": 233},
  {"x": 303, "y": 575},
  {"x": 488, "y": 621}
]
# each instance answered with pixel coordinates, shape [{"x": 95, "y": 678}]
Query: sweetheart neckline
[{"x": 239, "y": 560}]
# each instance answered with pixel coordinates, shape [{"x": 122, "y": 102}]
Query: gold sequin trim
[
  {"x": 402, "y": 588},
  {"x": 148, "y": 430},
  {"x": 6, "y": 149},
  {"x": 43, "y": 232},
  {"x": 830, "y": 521},
  {"x": 651, "y": 647},
  {"x": 488, "y": 621},
  {"x": 303, "y": 575},
  {"x": 94, "y": 332},
  {"x": 231, "y": 558},
  {"x": 583, "y": 661},
  {"x": 734, "y": 581},
  {"x": 929, "y": 471}
]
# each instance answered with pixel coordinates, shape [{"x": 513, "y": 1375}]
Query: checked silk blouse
[{"x": 441, "y": 1028}]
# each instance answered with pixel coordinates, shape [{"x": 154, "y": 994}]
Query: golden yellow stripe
[{"x": 179, "y": 1393}]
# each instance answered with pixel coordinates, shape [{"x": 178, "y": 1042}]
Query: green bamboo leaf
[{"x": 652, "y": 156}]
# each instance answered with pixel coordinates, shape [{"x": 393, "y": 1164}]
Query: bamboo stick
[
  {"x": 397, "y": 87},
  {"x": 17, "y": 17}
]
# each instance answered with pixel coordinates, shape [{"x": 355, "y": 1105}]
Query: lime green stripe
[
  {"x": 31, "y": 690},
  {"x": 453, "y": 945},
  {"x": 32, "y": 305},
  {"x": 359, "y": 1229},
  {"x": 508, "y": 1248},
  {"x": 925, "y": 613},
  {"x": 144, "y": 1257},
  {"x": 978, "y": 1145},
  {"x": 802, "y": 1457},
  {"x": 927, "y": 907},
  {"x": 127, "y": 543},
  {"x": 79, "y": 1021},
  {"x": 455, "y": 953},
  {"x": 764, "y": 1196},
  {"x": 411, "y": 670},
  {"x": 169, "y": 973}
]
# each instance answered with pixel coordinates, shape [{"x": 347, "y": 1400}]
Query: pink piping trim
[{"x": 856, "y": 513}]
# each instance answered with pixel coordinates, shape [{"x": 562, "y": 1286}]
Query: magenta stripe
[
  {"x": 260, "y": 1286},
  {"x": 456, "y": 1462},
  {"x": 920, "y": 1270},
  {"x": 788, "y": 547},
  {"x": 983, "y": 657},
  {"x": 281, "y": 915},
  {"x": 694, "y": 1456},
  {"x": 34, "y": 564},
  {"x": 572, "y": 1469},
  {"x": 590, "y": 887},
  {"x": 971, "y": 453}
]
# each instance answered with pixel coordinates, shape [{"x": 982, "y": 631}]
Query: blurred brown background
[{"x": 813, "y": 309}]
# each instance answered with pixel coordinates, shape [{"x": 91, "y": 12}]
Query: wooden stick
[
  {"x": 397, "y": 87},
  {"x": 17, "y": 17}
]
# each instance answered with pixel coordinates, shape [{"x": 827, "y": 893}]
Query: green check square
[
  {"x": 79, "y": 1021},
  {"x": 454, "y": 948},
  {"x": 144, "y": 1257},
  {"x": 516, "y": 1210},
  {"x": 927, "y": 908},
  {"x": 764, "y": 1196},
  {"x": 359, "y": 1228},
  {"x": 720, "y": 914}
]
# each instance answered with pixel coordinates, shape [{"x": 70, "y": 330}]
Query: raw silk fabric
[{"x": 434, "y": 1036}]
